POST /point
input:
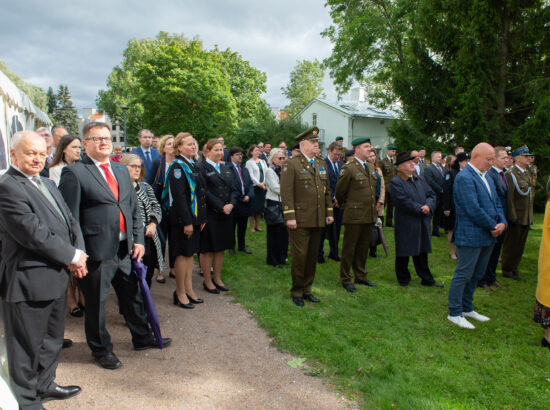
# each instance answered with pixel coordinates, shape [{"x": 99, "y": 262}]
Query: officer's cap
[
  {"x": 392, "y": 146},
  {"x": 359, "y": 141},
  {"x": 523, "y": 150},
  {"x": 311, "y": 134}
]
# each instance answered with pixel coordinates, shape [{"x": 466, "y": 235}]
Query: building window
[
  {"x": 113, "y": 127},
  {"x": 314, "y": 120}
]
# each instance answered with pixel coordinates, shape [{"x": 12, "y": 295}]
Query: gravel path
[{"x": 219, "y": 359}]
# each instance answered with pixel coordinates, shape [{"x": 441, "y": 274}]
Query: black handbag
[{"x": 273, "y": 213}]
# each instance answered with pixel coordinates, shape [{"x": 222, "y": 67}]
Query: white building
[
  {"x": 91, "y": 114},
  {"x": 349, "y": 119}
]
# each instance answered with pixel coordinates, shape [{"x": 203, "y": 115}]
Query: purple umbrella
[{"x": 139, "y": 269}]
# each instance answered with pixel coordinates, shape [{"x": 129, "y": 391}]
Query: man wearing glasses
[{"x": 101, "y": 197}]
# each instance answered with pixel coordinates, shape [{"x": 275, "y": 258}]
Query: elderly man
[
  {"x": 102, "y": 198},
  {"x": 435, "y": 177},
  {"x": 387, "y": 165},
  {"x": 41, "y": 243},
  {"x": 355, "y": 193},
  {"x": 307, "y": 208},
  {"x": 479, "y": 221},
  {"x": 57, "y": 132},
  {"x": 414, "y": 203},
  {"x": 146, "y": 152}
]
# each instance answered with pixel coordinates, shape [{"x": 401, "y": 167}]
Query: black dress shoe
[
  {"x": 311, "y": 298},
  {"x": 109, "y": 361},
  {"x": 59, "y": 393},
  {"x": 335, "y": 258},
  {"x": 232, "y": 251},
  {"x": 177, "y": 302},
  {"x": 247, "y": 251},
  {"x": 172, "y": 275},
  {"x": 163, "y": 280},
  {"x": 514, "y": 276},
  {"x": 66, "y": 343},
  {"x": 437, "y": 285},
  {"x": 298, "y": 301},
  {"x": 321, "y": 260},
  {"x": 545, "y": 343},
  {"x": 194, "y": 301},
  {"x": 77, "y": 312},
  {"x": 349, "y": 287},
  {"x": 223, "y": 288},
  {"x": 366, "y": 283},
  {"x": 403, "y": 285},
  {"x": 152, "y": 344},
  {"x": 437, "y": 234},
  {"x": 215, "y": 291},
  {"x": 372, "y": 253}
]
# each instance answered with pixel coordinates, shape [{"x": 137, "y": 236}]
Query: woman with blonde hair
[{"x": 257, "y": 168}]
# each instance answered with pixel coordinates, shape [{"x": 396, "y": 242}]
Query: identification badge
[
  {"x": 177, "y": 173},
  {"x": 322, "y": 172}
]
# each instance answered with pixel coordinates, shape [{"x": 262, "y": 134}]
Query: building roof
[{"x": 356, "y": 109}]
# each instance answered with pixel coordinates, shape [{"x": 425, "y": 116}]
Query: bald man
[{"x": 479, "y": 221}]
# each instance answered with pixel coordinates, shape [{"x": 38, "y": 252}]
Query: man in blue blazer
[
  {"x": 332, "y": 231},
  {"x": 479, "y": 221},
  {"x": 496, "y": 173},
  {"x": 146, "y": 151}
]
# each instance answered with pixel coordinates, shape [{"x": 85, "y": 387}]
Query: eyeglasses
[
  {"x": 45, "y": 135},
  {"x": 134, "y": 166},
  {"x": 99, "y": 139},
  {"x": 281, "y": 158}
]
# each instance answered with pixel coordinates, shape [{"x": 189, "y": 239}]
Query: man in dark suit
[
  {"x": 332, "y": 231},
  {"x": 146, "y": 151},
  {"x": 41, "y": 242},
  {"x": 434, "y": 174},
  {"x": 102, "y": 198},
  {"x": 245, "y": 187},
  {"x": 496, "y": 173},
  {"x": 479, "y": 221},
  {"x": 387, "y": 165}
]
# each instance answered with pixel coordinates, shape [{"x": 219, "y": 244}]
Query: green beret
[
  {"x": 392, "y": 146},
  {"x": 443, "y": 155},
  {"x": 339, "y": 138},
  {"x": 359, "y": 141},
  {"x": 311, "y": 134},
  {"x": 421, "y": 148}
]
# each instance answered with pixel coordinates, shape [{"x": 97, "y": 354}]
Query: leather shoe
[
  {"x": 194, "y": 301},
  {"x": 349, "y": 287},
  {"x": 372, "y": 253},
  {"x": 321, "y": 260},
  {"x": 298, "y": 301},
  {"x": 245, "y": 250},
  {"x": 232, "y": 251},
  {"x": 495, "y": 283},
  {"x": 66, "y": 343},
  {"x": 545, "y": 343},
  {"x": 335, "y": 258},
  {"x": 438, "y": 285},
  {"x": 223, "y": 288},
  {"x": 437, "y": 234},
  {"x": 59, "y": 393},
  {"x": 366, "y": 283},
  {"x": 514, "y": 276},
  {"x": 311, "y": 298},
  {"x": 152, "y": 344},
  {"x": 487, "y": 288},
  {"x": 215, "y": 291},
  {"x": 177, "y": 302},
  {"x": 109, "y": 361}
]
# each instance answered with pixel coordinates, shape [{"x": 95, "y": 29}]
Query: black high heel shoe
[
  {"x": 223, "y": 288},
  {"x": 194, "y": 301},
  {"x": 182, "y": 305},
  {"x": 215, "y": 291}
]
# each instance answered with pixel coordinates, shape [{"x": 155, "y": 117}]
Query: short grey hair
[
  {"x": 275, "y": 152},
  {"x": 41, "y": 129},
  {"x": 19, "y": 135}
]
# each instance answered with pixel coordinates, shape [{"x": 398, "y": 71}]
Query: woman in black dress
[
  {"x": 221, "y": 197},
  {"x": 185, "y": 190}
]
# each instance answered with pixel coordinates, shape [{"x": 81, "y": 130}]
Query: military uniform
[
  {"x": 355, "y": 192},
  {"x": 306, "y": 198},
  {"x": 388, "y": 172},
  {"x": 521, "y": 194}
]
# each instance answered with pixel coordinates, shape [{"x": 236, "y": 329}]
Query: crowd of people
[{"x": 90, "y": 213}]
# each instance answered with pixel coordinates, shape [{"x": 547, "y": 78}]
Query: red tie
[
  {"x": 111, "y": 181},
  {"x": 503, "y": 179}
]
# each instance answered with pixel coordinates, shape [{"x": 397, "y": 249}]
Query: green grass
[{"x": 393, "y": 347}]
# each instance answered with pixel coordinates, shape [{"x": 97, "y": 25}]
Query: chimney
[{"x": 358, "y": 94}]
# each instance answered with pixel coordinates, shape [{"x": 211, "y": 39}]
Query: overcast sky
[{"x": 78, "y": 43}]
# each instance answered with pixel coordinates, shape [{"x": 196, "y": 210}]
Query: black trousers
[
  {"x": 34, "y": 336},
  {"x": 96, "y": 286},
  {"x": 420, "y": 265},
  {"x": 438, "y": 214},
  {"x": 239, "y": 224},
  {"x": 277, "y": 244},
  {"x": 332, "y": 233}
]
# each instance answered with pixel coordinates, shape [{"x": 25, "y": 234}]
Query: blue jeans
[{"x": 471, "y": 266}]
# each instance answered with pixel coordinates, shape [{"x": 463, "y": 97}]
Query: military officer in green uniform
[
  {"x": 307, "y": 208},
  {"x": 387, "y": 165},
  {"x": 340, "y": 141},
  {"x": 521, "y": 193},
  {"x": 355, "y": 194}
]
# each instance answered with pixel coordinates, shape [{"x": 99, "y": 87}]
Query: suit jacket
[
  {"x": 160, "y": 162},
  {"x": 355, "y": 193},
  {"x": 148, "y": 166},
  {"x": 412, "y": 227},
  {"x": 434, "y": 178},
  {"x": 94, "y": 206},
  {"x": 220, "y": 189},
  {"x": 38, "y": 243},
  {"x": 501, "y": 187},
  {"x": 477, "y": 212},
  {"x": 242, "y": 208},
  {"x": 333, "y": 176}
]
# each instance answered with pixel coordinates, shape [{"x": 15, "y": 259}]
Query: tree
[
  {"x": 65, "y": 114},
  {"x": 304, "y": 86},
  {"x": 51, "y": 101},
  {"x": 36, "y": 94}
]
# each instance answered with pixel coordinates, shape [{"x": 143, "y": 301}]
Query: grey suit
[
  {"x": 38, "y": 244},
  {"x": 95, "y": 207}
]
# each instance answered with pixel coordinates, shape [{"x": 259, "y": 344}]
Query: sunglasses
[{"x": 134, "y": 166}]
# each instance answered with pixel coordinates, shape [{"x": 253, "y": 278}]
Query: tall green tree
[
  {"x": 305, "y": 85},
  {"x": 65, "y": 113},
  {"x": 51, "y": 101}
]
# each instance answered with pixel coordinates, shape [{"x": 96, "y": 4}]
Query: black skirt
[
  {"x": 218, "y": 233},
  {"x": 180, "y": 245},
  {"x": 258, "y": 202},
  {"x": 448, "y": 222}
]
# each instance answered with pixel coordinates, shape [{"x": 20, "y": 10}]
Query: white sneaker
[
  {"x": 476, "y": 316},
  {"x": 460, "y": 321}
]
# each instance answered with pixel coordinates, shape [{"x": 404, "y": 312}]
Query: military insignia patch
[
  {"x": 314, "y": 132},
  {"x": 342, "y": 172},
  {"x": 177, "y": 173}
]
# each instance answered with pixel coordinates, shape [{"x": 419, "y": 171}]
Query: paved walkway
[{"x": 219, "y": 359}]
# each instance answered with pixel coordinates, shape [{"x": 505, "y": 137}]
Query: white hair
[
  {"x": 275, "y": 152},
  {"x": 18, "y": 137}
]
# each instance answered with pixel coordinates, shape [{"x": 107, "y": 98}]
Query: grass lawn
[{"x": 393, "y": 347}]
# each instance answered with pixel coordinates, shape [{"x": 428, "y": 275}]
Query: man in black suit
[
  {"x": 41, "y": 241},
  {"x": 102, "y": 198},
  {"x": 332, "y": 231},
  {"x": 434, "y": 174},
  {"x": 243, "y": 183}
]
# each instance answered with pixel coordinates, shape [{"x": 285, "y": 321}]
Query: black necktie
[{"x": 366, "y": 168}]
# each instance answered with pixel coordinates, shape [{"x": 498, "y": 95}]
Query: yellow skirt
[{"x": 543, "y": 284}]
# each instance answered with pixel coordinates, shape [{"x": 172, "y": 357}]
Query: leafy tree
[
  {"x": 65, "y": 112},
  {"x": 268, "y": 130},
  {"x": 36, "y": 94},
  {"x": 305, "y": 85},
  {"x": 51, "y": 101}
]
